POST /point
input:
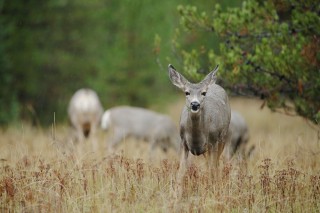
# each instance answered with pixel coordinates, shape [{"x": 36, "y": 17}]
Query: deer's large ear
[
  {"x": 176, "y": 78},
  {"x": 211, "y": 77}
]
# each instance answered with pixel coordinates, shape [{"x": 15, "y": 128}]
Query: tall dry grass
[{"x": 41, "y": 172}]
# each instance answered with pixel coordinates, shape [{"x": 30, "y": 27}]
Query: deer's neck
[
  {"x": 196, "y": 137},
  {"x": 196, "y": 124}
]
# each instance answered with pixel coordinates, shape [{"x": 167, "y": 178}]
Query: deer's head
[{"x": 195, "y": 93}]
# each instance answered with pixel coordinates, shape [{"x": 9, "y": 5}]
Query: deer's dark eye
[
  {"x": 187, "y": 93},
  {"x": 203, "y": 93}
]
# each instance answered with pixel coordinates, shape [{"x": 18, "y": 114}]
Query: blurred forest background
[
  {"x": 121, "y": 49},
  {"x": 49, "y": 49}
]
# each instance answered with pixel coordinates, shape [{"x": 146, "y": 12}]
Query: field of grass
[{"x": 41, "y": 172}]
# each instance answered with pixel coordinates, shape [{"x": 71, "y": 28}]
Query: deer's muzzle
[{"x": 195, "y": 106}]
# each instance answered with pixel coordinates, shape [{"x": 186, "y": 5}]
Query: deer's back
[
  {"x": 133, "y": 120},
  {"x": 217, "y": 107}
]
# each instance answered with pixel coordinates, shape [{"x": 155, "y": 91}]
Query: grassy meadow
[{"x": 40, "y": 171}]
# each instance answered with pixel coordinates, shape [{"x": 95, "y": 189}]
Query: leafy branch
[{"x": 268, "y": 49}]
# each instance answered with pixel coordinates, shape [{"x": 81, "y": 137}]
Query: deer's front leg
[
  {"x": 212, "y": 157},
  {"x": 182, "y": 169},
  {"x": 183, "y": 161}
]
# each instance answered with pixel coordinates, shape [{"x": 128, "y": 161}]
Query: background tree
[
  {"x": 49, "y": 49},
  {"x": 42, "y": 43},
  {"x": 268, "y": 49}
]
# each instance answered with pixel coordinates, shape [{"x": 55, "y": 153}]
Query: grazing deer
[
  {"x": 205, "y": 118},
  {"x": 239, "y": 136},
  {"x": 85, "y": 112},
  {"x": 142, "y": 124}
]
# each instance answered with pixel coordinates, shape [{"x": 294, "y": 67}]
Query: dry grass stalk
[{"x": 278, "y": 177}]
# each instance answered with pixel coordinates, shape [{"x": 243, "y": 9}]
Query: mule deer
[
  {"x": 239, "y": 136},
  {"x": 85, "y": 112},
  {"x": 142, "y": 124},
  {"x": 205, "y": 118}
]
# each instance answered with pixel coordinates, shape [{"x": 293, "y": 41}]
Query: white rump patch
[{"x": 106, "y": 120}]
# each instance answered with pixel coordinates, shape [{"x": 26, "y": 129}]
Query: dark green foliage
[
  {"x": 41, "y": 46},
  {"x": 268, "y": 49},
  {"x": 49, "y": 49}
]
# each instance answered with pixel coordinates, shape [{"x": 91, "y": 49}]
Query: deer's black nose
[{"x": 195, "y": 106}]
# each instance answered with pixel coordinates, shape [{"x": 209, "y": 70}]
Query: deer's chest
[{"x": 196, "y": 143}]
